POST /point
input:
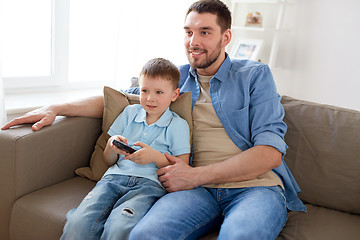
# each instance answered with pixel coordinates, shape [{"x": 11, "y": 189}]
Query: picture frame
[
  {"x": 245, "y": 48},
  {"x": 253, "y": 19}
]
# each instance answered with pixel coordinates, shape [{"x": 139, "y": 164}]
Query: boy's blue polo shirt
[{"x": 168, "y": 134}]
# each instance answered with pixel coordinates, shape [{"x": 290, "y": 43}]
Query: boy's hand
[
  {"x": 115, "y": 148},
  {"x": 145, "y": 155}
]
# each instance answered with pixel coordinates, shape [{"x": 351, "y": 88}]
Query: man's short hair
[
  {"x": 160, "y": 67},
  {"x": 215, "y": 7}
]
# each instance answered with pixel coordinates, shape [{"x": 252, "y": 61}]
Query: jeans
[
  {"x": 112, "y": 208},
  {"x": 245, "y": 213}
]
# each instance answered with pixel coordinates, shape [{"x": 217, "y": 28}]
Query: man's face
[{"x": 204, "y": 42}]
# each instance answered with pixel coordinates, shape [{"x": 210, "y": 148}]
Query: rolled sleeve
[
  {"x": 266, "y": 111},
  {"x": 271, "y": 139}
]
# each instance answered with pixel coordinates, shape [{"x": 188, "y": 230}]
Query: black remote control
[{"x": 123, "y": 146}]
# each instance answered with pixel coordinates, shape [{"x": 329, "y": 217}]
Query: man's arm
[
  {"x": 88, "y": 107},
  {"x": 243, "y": 166}
]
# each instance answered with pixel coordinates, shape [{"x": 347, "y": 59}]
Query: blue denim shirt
[{"x": 245, "y": 99}]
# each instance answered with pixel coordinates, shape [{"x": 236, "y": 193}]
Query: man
[{"x": 238, "y": 175}]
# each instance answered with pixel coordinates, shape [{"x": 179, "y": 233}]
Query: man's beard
[{"x": 209, "y": 60}]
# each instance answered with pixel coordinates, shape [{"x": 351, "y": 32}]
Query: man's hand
[
  {"x": 41, "y": 117},
  {"x": 177, "y": 176}
]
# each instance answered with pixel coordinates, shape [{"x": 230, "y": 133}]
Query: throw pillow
[{"x": 114, "y": 103}]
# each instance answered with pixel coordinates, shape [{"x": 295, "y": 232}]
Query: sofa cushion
[
  {"x": 114, "y": 104},
  {"x": 321, "y": 223},
  {"x": 323, "y": 154},
  {"x": 42, "y": 214}
]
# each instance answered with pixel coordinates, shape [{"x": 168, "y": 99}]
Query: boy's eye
[
  {"x": 160, "y": 92},
  {"x": 144, "y": 90}
]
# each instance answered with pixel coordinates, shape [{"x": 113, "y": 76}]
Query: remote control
[{"x": 123, "y": 146}]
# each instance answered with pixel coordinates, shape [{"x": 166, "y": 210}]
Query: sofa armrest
[{"x": 31, "y": 160}]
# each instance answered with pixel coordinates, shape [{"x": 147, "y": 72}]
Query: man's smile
[{"x": 195, "y": 52}]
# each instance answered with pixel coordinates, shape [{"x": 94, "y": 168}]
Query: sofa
[{"x": 39, "y": 185}]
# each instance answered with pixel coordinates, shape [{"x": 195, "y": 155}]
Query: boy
[{"x": 130, "y": 186}]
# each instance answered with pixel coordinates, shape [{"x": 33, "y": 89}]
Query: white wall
[
  {"x": 2, "y": 104},
  {"x": 2, "y": 100},
  {"x": 324, "y": 50}
]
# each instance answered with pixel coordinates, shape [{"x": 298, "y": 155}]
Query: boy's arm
[
  {"x": 111, "y": 152},
  {"x": 184, "y": 157},
  {"x": 109, "y": 156},
  {"x": 147, "y": 155}
]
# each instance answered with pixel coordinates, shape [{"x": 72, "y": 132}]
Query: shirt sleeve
[
  {"x": 118, "y": 126},
  {"x": 179, "y": 137},
  {"x": 266, "y": 112}
]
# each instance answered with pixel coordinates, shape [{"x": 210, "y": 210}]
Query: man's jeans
[
  {"x": 112, "y": 208},
  {"x": 247, "y": 213}
]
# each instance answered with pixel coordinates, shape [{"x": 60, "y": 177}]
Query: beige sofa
[{"x": 38, "y": 184}]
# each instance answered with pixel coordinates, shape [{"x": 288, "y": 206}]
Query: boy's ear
[{"x": 175, "y": 94}]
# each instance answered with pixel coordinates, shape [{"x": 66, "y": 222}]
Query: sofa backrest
[{"x": 324, "y": 153}]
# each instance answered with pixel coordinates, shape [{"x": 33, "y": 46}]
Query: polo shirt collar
[{"x": 163, "y": 121}]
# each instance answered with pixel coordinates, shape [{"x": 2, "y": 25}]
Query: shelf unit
[{"x": 272, "y": 12}]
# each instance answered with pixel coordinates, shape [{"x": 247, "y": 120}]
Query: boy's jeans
[
  {"x": 247, "y": 213},
  {"x": 112, "y": 208}
]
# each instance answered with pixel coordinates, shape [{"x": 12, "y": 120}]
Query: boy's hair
[
  {"x": 215, "y": 7},
  {"x": 160, "y": 67}
]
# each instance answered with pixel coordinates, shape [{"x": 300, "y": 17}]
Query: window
[
  {"x": 93, "y": 40},
  {"x": 87, "y": 43},
  {"x": 26, "y": 40}
]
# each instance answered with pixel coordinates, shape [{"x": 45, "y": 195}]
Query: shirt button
[{"x": 145, "y": 133}]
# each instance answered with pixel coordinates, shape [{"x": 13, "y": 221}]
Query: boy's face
[
  {"x": 156, "y": 94},
  {"x": 204, "y": 42}
]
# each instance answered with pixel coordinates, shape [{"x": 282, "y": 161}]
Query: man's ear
[
  {"x": 226, "y": 37},
  {"x": 175, "y": 94}
]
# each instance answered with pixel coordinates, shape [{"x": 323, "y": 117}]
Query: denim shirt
[{"x": 245, "y": 99}]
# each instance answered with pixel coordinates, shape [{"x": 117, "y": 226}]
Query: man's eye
[{"x": 204, "y": 33}]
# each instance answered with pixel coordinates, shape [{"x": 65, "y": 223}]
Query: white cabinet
[{"x": 247, "y": 37}]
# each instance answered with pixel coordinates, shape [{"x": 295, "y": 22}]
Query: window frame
[
  {"x": 59, "y": 54},
  {"x": 59, "y": 78}
]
